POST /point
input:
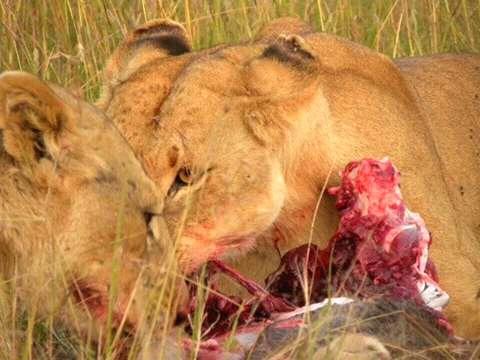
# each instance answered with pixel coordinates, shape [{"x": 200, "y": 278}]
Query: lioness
[
  {"x": 247, "y": 137},
  {"x": 79, "y": 214}
]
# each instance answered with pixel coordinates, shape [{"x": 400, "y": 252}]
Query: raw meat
[{"x": 379, "y": 249}]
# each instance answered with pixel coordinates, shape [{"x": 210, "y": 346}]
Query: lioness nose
[{"x": 158, "y": 234}]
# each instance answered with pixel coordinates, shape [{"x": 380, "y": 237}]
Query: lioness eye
[{"x": 184, "y": 178}]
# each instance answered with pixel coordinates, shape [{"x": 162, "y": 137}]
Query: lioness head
[
  {"x": 212, "y": 128},
  {"x": 231, "y": 135},
  {"x": 80, "y": 218}
]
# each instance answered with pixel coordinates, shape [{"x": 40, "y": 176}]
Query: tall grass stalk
[{"x": 68, "y": 42}]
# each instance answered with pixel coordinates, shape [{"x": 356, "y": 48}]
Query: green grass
[{"x": 68, "y": 42}]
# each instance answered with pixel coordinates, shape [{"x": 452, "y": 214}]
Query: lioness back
[{"x": 448, "y": 89}]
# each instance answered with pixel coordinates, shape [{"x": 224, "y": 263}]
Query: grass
[{"x": 68, "y": 42}]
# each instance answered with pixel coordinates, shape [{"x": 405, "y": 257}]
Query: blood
[
  {"x": 223, "y": 312},
  {"x": 380, "y": 250}
]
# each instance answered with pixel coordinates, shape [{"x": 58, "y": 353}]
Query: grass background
[{"x": 68, "y": 42}]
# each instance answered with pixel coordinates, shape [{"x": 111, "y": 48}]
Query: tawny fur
[
  {"x": 74, "y": 201},
  {"x": 264, "y": 126}
]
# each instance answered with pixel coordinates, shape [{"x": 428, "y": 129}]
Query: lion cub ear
[
  {"x": 154, "y": 40},
  {"x": 32, "y": 120}
]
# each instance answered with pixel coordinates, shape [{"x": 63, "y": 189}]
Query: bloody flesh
[
  {"x": 222, "y": 312},
  {"x": 380, "y": 250}
]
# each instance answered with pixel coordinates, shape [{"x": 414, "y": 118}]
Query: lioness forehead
[
  {"x": 220, "y": 72},
  {"x": 188, "y": 97}
]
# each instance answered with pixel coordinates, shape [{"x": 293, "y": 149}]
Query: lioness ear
[
  {"x": 282, "y": 81},
  {"x": 290, "y": 50},
  {"x": 32, "y": 118},
  {"x": 153, "y": 40},
  {"x": 165, "y": 35}
]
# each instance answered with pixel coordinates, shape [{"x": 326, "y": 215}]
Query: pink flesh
[
  {"x": 269, "y": 303},
  {"x": 379, "y": 250},
  {"x": 222, "y": 311},
  {"x": 392, "y": 241}
]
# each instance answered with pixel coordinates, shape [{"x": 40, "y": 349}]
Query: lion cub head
[{"x": 80, "y": 226}]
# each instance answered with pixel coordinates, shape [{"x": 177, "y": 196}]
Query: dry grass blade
[{"x": 68, "y": 42}]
